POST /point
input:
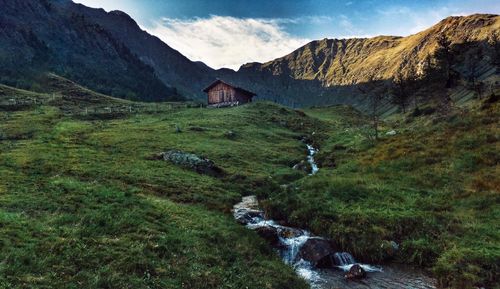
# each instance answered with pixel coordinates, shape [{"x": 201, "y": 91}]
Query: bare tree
[
  {"x": 376, "y": 91},
  {"x": 473, "y": 72}
]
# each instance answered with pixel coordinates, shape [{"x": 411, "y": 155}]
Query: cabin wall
[
  {"x": 221, "y": 93},
  {"x": 242, "y": 97}
]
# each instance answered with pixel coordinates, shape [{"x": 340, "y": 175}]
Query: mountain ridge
[
  {"x": 94, "y": 46},
  {"x": 345, "y": 62}
]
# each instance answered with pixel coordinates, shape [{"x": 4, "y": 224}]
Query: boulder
[
  {"x": 230, "y": 134},
  {"x": 270, "y": 234},
  {"x": 355, "y": 272},
  {"x": 315, "y": 250},
  {"x": 246, "y": 216},
  {"x": 287, "y": 232},
  {"x": 191, "y": 161}
]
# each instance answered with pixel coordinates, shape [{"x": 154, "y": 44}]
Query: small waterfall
[
  {"x": 310, "y": 158},
  {"x": 292, "y": 247},
  {"x": 343, "y": 259},
  {"x": 291, "y": 242}
]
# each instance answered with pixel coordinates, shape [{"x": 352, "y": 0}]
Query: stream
[{"x": 296, "y": 246}]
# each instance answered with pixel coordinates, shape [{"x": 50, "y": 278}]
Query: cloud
[
  {"x": 413, "y": 21},
  {"x": 222, "y": 41},
  {"x": 346, "y": 24},
  {"x": 405, "y": 20},
  {"x": 303, "y": 20}
]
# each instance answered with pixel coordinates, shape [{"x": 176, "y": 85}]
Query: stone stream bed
[{"x": 314, "y": 259}]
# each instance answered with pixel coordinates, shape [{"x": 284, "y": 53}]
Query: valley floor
[{"x": 84, "y": 203}]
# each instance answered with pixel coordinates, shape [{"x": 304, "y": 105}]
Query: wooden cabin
[{"x": 222, "y": 94}]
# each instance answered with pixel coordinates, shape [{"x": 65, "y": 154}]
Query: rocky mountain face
[
  {"x": 108, "y": 52},
  {"x": 328, "y": 71},
  {"x": 39, "y": 36}
]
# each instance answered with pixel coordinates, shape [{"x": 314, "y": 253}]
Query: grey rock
[
  {"x": 316, "y": 249},
  {"x": 389, "y": 249},
  {"x": 230, "y": 134},
  {"x": 191, "y": 161}
]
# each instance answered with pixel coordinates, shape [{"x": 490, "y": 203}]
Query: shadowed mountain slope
[{"x": 49, "y": 36}]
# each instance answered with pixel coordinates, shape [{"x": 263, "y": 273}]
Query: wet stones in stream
[
  {"x": 356, "y": 272},
  {"x": 317, "y": 260},
  {"x": 317, "y": 251}
]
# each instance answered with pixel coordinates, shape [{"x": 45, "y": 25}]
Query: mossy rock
[{"x": 196, "y": 163}]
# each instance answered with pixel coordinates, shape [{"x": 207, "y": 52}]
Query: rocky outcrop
[{"x": 194, "y": 162}]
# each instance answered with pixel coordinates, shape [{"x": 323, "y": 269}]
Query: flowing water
[
  {"x": 291, "y": 240},
  {"x": 310, "y": 159}
]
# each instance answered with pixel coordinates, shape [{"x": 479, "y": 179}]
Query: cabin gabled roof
[{"x": 233, "y": 86}]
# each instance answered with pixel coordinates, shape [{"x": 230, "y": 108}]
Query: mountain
[
  {"x": 108, "y": 52},
  {"x": 170, "y": 66},
  {"x": 327, "y": 71},
  {"x": 39, "y": 36}
]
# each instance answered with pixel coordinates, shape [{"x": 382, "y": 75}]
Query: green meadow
[{"x": 85, "y": 204}]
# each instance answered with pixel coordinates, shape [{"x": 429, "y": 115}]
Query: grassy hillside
[
  {"x": 74, "y": 99},
  {"x": 83, "y": 204},
  {"x": 432, "y": 188}
]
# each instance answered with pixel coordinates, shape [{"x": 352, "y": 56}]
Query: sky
[{"x": 230, "y": 33}]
